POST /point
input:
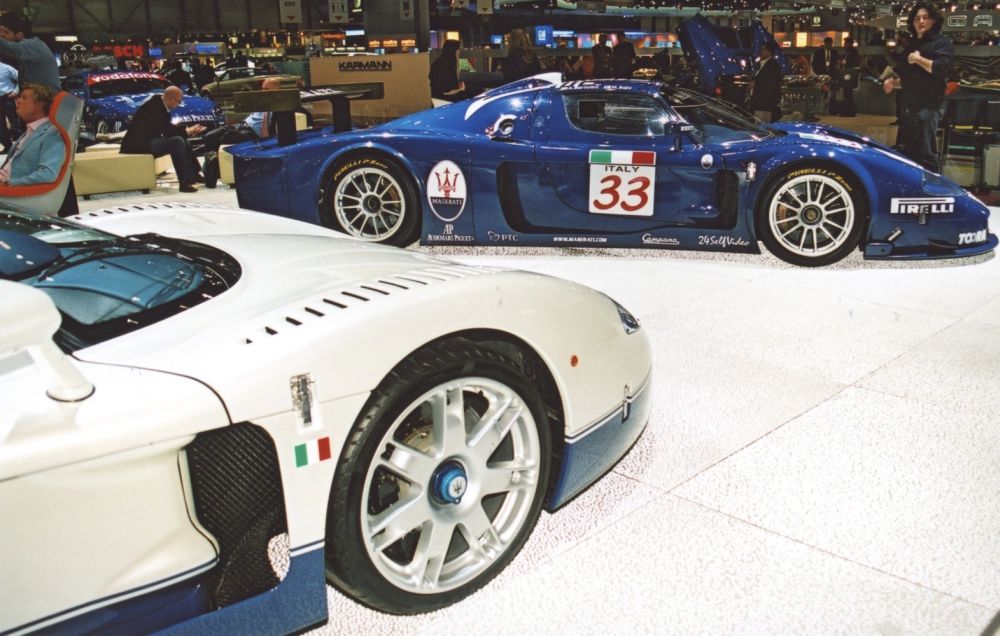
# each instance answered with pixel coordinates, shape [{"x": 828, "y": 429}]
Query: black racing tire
[
  {"x": 373, "y": 199},
  {"x": 812, "y": 215},
  {"x": 394, "y": 543}
]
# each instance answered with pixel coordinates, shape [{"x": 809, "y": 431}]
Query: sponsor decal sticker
[
  {"x": 497, "y": 236},
  {"x": 622, "y": 182},
  {"x": 707, "y": 161},
  {"x": 95, "y": 79},
  {"x": 649, "y": 239},
  {"x": 969, "y": 238},
  {"x": 925, "y": 205},
  {"x": 446, "y": 191},
  {"x": 579, "y": 239},
  {"x": 312, "y": 452},
  {"x": 723, "y": 241},
  {"x": 448, "y": 236}
]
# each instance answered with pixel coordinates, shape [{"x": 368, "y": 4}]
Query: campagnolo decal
[
  {"x": 446, "y": 191},
  {"x": 649, "y": 239},
  {"x": 924, "y": 205},
  {"x": 723, "y": 241},
  {"x": 968, "y": 238}
]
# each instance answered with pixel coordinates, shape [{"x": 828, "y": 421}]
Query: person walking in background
[
  {"x": 8, "y": 91},
  {"x": 765, "y": 90},
  {"x": 444, "y": 74},
  {"x": 624, "y": 57},
  {"x": 850, "y": 69},
  {"x": 521, "y": 60},
  {"x": 921, "y": 81},
  {"x": 604, "y": 65},
  {"x": 824, "y": 60},
  {"x": 35, "y": 62}
]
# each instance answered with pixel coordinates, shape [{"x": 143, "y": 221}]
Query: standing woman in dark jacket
[
  {"x": 444, "y": 74},
  {"x": 521, "y": 60},
  {"x": 922, "y": 78}
]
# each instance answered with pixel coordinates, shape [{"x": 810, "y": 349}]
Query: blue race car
[
  {"x": 614, "y": 163},
  {"x": 113, "y": 97}
]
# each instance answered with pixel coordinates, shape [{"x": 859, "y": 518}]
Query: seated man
[
  {"x": 152, "y": 133},
  {"x": 38, "y": 154}
]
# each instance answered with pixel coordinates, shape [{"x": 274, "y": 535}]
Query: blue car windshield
[
  {"x": 106, "y": 285},
  {"x": 718, "y": 122},
  {"x": 129, "y": 86}
]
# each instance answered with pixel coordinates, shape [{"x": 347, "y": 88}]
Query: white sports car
[{"x": 182, "y": 384}]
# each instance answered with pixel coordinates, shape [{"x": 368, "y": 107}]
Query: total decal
[
  {"x": 971, "y": 238},
  {"x": 622, "y": 182},
  {"x": 447, "y": 191}
]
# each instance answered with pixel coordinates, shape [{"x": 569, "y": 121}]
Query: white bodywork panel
[
  {"x": 345, "y": 312},
  {"x": 92, "y": 498}
]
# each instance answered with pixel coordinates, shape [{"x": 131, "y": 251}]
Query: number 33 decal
[
  {"x": 628, "y": 192},
  {"x": 638, "y": 191}
]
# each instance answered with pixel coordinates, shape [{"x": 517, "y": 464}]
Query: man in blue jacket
[
  {"x": 35, "y": 62},
  {"x": 38, "y": 155}
]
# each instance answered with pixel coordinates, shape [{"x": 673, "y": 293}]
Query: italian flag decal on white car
[{"x": 312, "y": 452}]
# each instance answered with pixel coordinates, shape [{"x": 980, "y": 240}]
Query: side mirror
[
  {"x": 682, "y": 131},
  {"x": 28, "y": 319}
]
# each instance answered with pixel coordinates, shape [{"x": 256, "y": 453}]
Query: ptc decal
[{"x": 446, "y": 191}]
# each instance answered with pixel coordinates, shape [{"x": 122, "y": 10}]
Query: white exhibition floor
[{"x": 823, "y": 456}]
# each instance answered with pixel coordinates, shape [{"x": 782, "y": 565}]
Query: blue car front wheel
[
  {"x": 811, "y": 216},
  {"x": 372, "y": 199}
]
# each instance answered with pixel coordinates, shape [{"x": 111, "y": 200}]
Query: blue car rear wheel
[{"x": 374, "y": 200}]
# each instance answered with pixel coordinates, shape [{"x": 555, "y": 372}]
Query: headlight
[{"x": 937, "y": 185}]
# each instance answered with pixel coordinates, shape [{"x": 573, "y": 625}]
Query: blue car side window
[{"x": 612, "y": 114}]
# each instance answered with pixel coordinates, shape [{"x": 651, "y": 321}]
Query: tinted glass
[
  {"x": 615, "y": 114},
  {"x": 716, "y": 121}
]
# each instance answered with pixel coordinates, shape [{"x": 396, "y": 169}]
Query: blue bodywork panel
[{"x": 691, "y": 172}]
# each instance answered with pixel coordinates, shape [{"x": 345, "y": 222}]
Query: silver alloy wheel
[
  {"x": 811, "y": 215},
  {"x": 461, "y": 463},
  {"x": 369, "y": 204},
  {"x": 101, "y": 127}
]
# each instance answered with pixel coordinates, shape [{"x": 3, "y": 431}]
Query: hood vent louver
[
  {"x": 120, "y": 209},
  {"x": 357, "y": 295}
]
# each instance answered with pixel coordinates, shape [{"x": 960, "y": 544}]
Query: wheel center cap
[
  {"x": 372, "y": 204},
  {"x": 450, "y": 483},
  {"x": 812, "y": 215}
]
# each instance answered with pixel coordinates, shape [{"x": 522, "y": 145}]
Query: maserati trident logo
[{"x": 446, "y": 191}]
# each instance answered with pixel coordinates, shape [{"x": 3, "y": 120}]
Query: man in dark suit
[
  {"x": 151, "y": 132},
  {"x": 824, "y": 60},
  {"x": 765, "y": 90}
]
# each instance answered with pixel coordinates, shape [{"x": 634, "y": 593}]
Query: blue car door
[{"x": 619, "y": 162}]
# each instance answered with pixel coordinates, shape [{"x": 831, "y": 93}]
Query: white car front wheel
[{"x": 441, "y": 481}]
